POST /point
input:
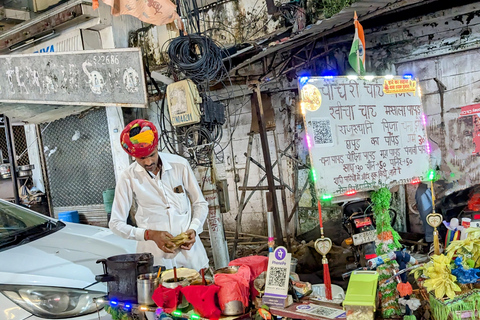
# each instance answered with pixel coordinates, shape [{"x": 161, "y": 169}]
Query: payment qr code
[
  {"x": 322, "y": 132},
  {"x": 277, "y": 277}
]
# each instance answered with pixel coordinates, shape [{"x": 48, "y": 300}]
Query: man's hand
[
  {"x": 191, "y": 234},
  {"x": 162, "y": 239}
]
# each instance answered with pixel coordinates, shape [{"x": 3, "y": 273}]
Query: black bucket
[{"x": 121, "y": 272}]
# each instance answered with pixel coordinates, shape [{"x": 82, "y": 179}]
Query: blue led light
[
  {"x": 127, "y": 306},
  {"x": 328, "y": 77},
  {"x": 407, "y": 76},
  {"x": 113, "y": 302},
  {"x": 303, "y": 81}
]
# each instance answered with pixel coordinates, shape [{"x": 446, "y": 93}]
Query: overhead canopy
[
  {"x": 39, "y": 113},
  {"x": 366, "y": 9}
]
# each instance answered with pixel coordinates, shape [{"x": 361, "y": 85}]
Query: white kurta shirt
[{"x": 161, "y": 208}]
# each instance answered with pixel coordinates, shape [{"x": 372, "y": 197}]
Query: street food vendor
[{"x": 169, "y": 201}]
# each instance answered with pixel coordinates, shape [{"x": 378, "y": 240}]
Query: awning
[{"x": 366, "y": 9}]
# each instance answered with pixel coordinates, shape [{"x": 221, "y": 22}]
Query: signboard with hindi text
[{"x": 363, "y": 134}]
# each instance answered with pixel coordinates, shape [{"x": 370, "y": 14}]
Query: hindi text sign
[{"x": 361, "y": 135}]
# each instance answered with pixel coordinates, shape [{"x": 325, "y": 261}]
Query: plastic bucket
[
  {"x": 69, "y": 216},
  {"x": 108, "y": 196}
]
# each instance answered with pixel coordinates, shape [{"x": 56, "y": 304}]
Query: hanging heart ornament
[
  {"x": 434, "y": 219},
  {"x": 323, "y": 246}
]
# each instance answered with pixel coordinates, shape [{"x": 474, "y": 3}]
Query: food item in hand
[{"x": 179, "y": 240}]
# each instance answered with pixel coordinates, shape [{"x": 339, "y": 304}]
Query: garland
[
  {"x": 387, "y": 241},
  {"x": 465, "y": 302}
]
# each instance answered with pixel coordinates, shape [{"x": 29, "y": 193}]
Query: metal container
[
  {"x": 27, "y": 167},
  {"x": 121, "y": 272},
  {"x": 27, "y": 173},
  {"x": 227, "y": 270},
  {"x": 233, "y": 308},
  {"x": 172, "y": 285},
  {"x": 146, "y": 285}
]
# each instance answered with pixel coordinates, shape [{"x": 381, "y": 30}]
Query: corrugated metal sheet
[{"x": 365, "y": 10}]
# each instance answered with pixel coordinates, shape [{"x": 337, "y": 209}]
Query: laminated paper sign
[
  {"x": 363, "y": 134},
  {"x": 278, "y": 275}
]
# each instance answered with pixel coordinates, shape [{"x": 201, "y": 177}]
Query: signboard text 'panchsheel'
[{"x": 96, "y": 77}]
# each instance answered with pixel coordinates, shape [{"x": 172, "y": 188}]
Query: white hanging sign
[{"x": 364, "y": 134}]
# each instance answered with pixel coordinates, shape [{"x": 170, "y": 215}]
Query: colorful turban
[{"x": 139, "y": 138}]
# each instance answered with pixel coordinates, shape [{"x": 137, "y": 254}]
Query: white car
[{"x": 48, "y": 267}]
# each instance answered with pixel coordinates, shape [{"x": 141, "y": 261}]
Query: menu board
[{"x": 364, "y": 133}]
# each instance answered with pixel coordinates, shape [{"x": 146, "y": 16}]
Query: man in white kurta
[{"x": 169, "y": 202}]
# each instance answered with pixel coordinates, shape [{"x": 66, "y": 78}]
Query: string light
[
  {"x": 351, "y": 192},
  {"x": 314, "y": 175},
  {"x": 309, "y": 143},
  {"x": 303, "y": 81},
  {"x": 352, "y": 77},
  {"x": 424, "y": 119},
  {"x": 407, "y": 76},
  {"x": 326, "y": 197},
  {"x": 302, "y": 108},
  {"x": 113, "y": 302},
  {"x": 177, "y": 313},
  {"x": 431, "y": 175},
  {"x": 389, "y": 77},
  {"x": 369, "y": 78},
  {"x": 195, "y": 317},
  {"x": 415, "y": 181},
  {"x": 427, "y": 145}
]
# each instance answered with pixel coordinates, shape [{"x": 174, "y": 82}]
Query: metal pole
[
  {"x": 214, "y": 219},
  {"x": 268, "y": 165},
  {"x": 11, "y": 157},
  {"x": 43, "y": 162}
]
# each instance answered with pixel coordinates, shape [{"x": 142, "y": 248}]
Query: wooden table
[{"x": 291, "y": 311}]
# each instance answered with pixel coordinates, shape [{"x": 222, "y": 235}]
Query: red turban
[{"x": 141, "y": 144}]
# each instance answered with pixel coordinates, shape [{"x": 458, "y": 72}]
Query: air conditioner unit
[{"x": 183, "y": 103}]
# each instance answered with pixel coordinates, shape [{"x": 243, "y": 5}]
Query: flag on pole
[{"x": 356, "y": 58}]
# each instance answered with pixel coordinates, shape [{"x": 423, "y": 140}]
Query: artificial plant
[
  {"x": 469, "y": 246},
  {"x": 387, "y": 241}
]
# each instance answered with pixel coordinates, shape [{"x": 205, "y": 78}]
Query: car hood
[{"x": 65, "y": 258}]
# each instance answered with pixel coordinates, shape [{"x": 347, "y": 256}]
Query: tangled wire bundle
[{"x": 198, "y": 58}]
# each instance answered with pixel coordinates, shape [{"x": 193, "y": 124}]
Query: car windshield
[{"x": 19, "y": 225}]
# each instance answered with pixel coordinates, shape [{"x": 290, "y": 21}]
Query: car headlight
[{"x": 54, "y": 302}]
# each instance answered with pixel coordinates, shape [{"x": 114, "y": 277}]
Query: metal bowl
[{"x": 227, "y": 270}]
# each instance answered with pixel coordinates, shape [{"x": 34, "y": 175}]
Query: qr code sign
[
  {"x": 322, "y": 132},
  {"x": 277, "y": 277}
]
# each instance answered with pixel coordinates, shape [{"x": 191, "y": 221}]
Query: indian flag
[{"x": 356, "y": 58}]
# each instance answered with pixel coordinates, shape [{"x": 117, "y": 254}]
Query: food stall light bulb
[
  {"x": 351, "y": 192},
  {"x": 177, "y": 313},
  {"x": 352, "y": 77},
  {"x": 389, "y": 77},
  {"x": 195, "y": 317},
  {"x": 143, "y": 308},
  {"x": 327, "y": 197},
  {"x": 415, "y": 181},
  {"x": 369, "y": 78}
]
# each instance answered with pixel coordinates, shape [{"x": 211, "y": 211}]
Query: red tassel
[
  {"x": 404, "y": 289},
  {"x": 327, "y": 282}
]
